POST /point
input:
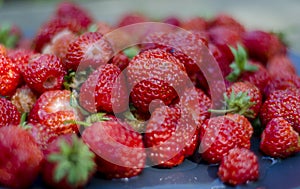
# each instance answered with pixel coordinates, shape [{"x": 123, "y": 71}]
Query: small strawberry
[
  {"x": 131, "y": 18},
  {"x": 282, "y": 103},
  {"x": 172, "y": 20},
  {"x": 120, "y": 151},
  {"x": 44, "y": 72},
  {"x": 69, "y": 163},
  {"x": 20, "y": 158},
  {"x": 53, "y": 109},
  {"x": 101, "y": 27},
  {"x": 262, "y": 45},
  {"x": 24, "y": 99},
  {"x": 89, "y": 49},
  {"x": 105, "y": 89},
  {"x": 220, "y": 134},
  {"x": 194, "y": 24},
  {"x": 155, "y": 74},
  {"x": 239, "y": 167},
  {"x": 68, "y": 10},
  {"x": 279, "y": 139},
  {"x": 280, "y": 65},
  {"x": 10, "y": 76},
  {"x": 9, "y": 114},
  {"x": 120, "y": 60},
  {"x": 226, "y": 20}
]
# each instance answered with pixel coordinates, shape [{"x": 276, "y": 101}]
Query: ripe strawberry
[
  {"x": 104, "y": 90},
  {"x": 282, "y": 103},
  {"x": 20, "y": 57},
  {"x": 220, "y": 134},
  {"x": 173, "y": 20},
  {"x": 243, "y": 98},
  {"x": 20, "y": 158},
  {"x": 262, "y": 45},
  {"x": 131, "y": 18},
  {"x": 120, "y": 60},
  {"x": 9, "y": 114},
  {"x": 44, "y": 72},
  {"x": 194, "y": 24},
  {"x": 70, "y": 11},
  {"x": 280, "y": 65},
  {"x": 69, "y": 163},
  {"x": 48, "y": 30},
  {"x": 282, "y": 82},
  {"x": 239, "y": 167},
  {"x": 10, "y": 76},
  {"x": 120, "y": 151},
  {"x": 53, "y": 109},
  {"x": 24, "y": 99},
  {"x": 101, "y": 27},
  {"x": 279, "y": 139},
  {"x": 226, "y": 20},
  {"x": 89, "y": 49}
]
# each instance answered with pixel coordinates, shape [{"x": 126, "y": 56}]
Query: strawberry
[
  {"x": 49, "y": 29},
  {"x": 240, "y": 166},
  {"x": 70, "y": 11},
  {"x": 279, "y": 139},
  {"x": 20, "y": 158},
  {"x": 282, "y": 82},
  {"x": 282, "y": 103},
  {"x": 226, "y": 20},
  {"x": 9, "y": 114},
  {"x": 220, "y": 134},
  {"x": 172, "y": 20},
  {"x": 101, "y": 27},
  {"x": 194, "y": 24},
  {"x": 20, "y": 57},
  {"x": 155, "y": 74},
  {"x": 262, "y": 45},
  {"x": 10, "y": 76},
  {"x": 131, "y": 18},
  {"x": 120, "y": 60},
  {"x": 120, "y": 151},
  {"x": 44, "y": 72},
  {"x": 89, "y": 49},
  {"x": 53, "y": 109},
  {"x": 280, "y": 65},
  {"x": 3, "y": 50},
  {"x": 24, "y": 99},
  {"x": 105, "y": 89},
  {"x": 69, "y": 163}
]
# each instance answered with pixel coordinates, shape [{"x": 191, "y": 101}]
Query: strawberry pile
[{"x": 72, "y": 106}]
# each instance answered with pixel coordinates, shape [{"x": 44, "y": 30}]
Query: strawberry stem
[
  {"x": 82, "y": 123},
  {"x": 240, "y": 64},
  {"x": 97, "y": 117}
]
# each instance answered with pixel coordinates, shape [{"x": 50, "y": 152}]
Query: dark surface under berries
[{"x": 193, "y": 173}]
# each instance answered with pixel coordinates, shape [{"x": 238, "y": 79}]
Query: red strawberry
[
  {"x": 89, "y": 49},
  {"x": 280, "y": 65},
  {"x": 69, "y": 163},
  {"x": 20, "y": 57},
  {"x": 131, "y": 18},
  {"x": 279, "y": 139},
  {"x": 173, "y": 20},
  {"x": 53, "y": 109},
  {"x": 262, "y": 45},
  {"x": 9, "y": 114},
  {"x": 282, "y": 103},
  {"x": 44, "y": 72},
  {"x": 10, "y": 76},
  {"x": 226, "y": 20},
  {"x": 101, "y": 27},
  {"x": 120, "y": 151},
  {"x": 24, "y": 99},
  {"x": 120, "y": 60},
  {"x": 48, "y": 30},
  {"x": 3, "y": 50},
  {"x": 20, "y": 158},
  {"x": 239, "y": 167},
  {"x": 194, "y": 24},
  {"x": 105, "y": 89},
  {"x": 220, "y": 134},
  {"x": 70, "y": 11},
  {"x": 282, "y": 82},
  {"x": 155, "y": 74}
]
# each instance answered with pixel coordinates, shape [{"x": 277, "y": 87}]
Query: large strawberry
[
  {"x": 9, "y": 114},
  {"x": 104, "y": 90},
  {"x": 239, "y": 167},
  {"x": 282, "y": 82},
  {"x": 120, "y": 151},
  {"x": 282, "y": 103},
  {"x": 10, "y": 76},
  {"x": 54, "y": 110},
  {"x": 20, "y": 57},
  {"x": 280, "y": 65},
  {"x": 155, "y": 74},
  {"x": 279, "y": 139},
  {"x": 20, "y": 158},
  {"x": 89, "y": 49},
  {"x": 44, "y": 72},
  {"x": 194, "y": 24},
  {"x": 69, "y": 163}
]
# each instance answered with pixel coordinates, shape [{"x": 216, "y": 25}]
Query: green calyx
[
  {"x": 136, "y": 124},
  {"x": 240, "y": 64},
  {"x": 8, "y": 39},
  {"x": 237, "y": 103},
  {"x": 75, "y": 162},
  {"x": 131, "y": 51}
]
